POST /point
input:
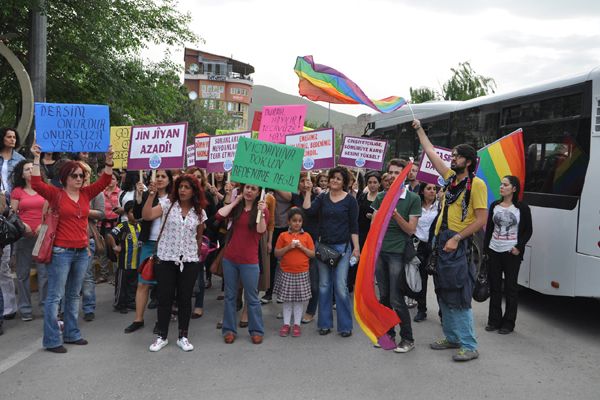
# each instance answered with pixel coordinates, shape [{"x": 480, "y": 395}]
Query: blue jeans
[
  {"x": 313, "y": 271},
  {"x": 88, "y": 291},
  {"x": 457, "y": 324},
  {"x": 65, "y": 278},
  {"x": 388, "y": 270},
  {"x": 248, "y": 274},
  {"x": 335, "y": 279}
]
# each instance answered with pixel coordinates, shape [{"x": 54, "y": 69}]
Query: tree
[
  {"x": 423, "y": 94},
  {"x": 465, "y": 84},
  {"x": 93, "y": 56}
]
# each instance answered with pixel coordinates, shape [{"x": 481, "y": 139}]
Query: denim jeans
[
  {"x": 248, "y": 274},
  {"x": 7, "y": 282},
  {"x": 65, "y": 279},
  {"x": 387, "y": 271},
  {"x": 1, "y": 307},
  {"x": 335, "y": 279},
  {"x": 23, "y": 250},
  {"x": 457, "y": 324},
  {"x": 313, "y": 271},
  {"x": 88, "y": 291}
]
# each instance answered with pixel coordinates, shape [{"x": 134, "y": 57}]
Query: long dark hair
[
  {"x": 198, "y": 199},
  {"x": 3, "y": 132},
  {"x": 239, "y": 209},
  {"x": 131, "y": 179},
  {"x": 169, "y": 173},
  {"x": 517, "y": 185},
  {"x": 17, "y": 174}
]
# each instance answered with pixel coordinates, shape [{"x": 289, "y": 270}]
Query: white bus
[{"x": 561, "y": 130}]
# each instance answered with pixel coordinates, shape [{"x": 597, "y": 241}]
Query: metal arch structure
[{"x": 26, "y": 119}]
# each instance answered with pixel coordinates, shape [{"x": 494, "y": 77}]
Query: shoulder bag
[
  {"x": 324, "y": 253},
  {"x": 42, "y": 250},
  {"x": 146, "y": 268}
]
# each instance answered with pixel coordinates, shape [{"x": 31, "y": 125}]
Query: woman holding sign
[
  {"x": 240, "y": 261},
  {"x": 338, "y": 229},
  {"x": 70, "y": 254}
]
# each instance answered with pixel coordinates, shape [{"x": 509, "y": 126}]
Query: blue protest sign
[{"x": 72, "y": 127}]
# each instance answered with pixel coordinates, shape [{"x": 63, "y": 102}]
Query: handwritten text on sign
[
  {"x": 318, "y": 148},
  {"x": 201, "y": 143},
  {"x": 278, "y": 121},
  {"x": 190, "y": 151},
  {"x": 427, "y": 172},
  {"x": 266, "y": 164},
  {"x": 157, "y": 146},
  {"x": 72, "y": 127},
  {"x": 119, "y": 138},
  {"x": 221, "y": 151},
  {"x": 363, "y": 153}
]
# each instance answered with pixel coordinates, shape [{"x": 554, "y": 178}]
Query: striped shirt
[{"x": 126, "y": 235}]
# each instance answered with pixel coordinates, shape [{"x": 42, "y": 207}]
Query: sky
[{"x": 388, "y": 46}]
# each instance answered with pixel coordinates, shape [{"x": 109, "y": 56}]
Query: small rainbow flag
[
  {"x": 322, "y": 83},
  {"x": 374, "y": 318},
  {"x": 506, "y": 156}
]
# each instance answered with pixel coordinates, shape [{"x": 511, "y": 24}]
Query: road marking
[{"x": 19, "y": 356}]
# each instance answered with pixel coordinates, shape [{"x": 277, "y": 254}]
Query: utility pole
[{"x": 38, "y": 49}]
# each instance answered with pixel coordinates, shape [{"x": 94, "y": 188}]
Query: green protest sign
[{"x": 268, "y": 165}]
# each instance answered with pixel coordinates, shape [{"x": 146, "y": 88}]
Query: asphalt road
[{"x": 554, "y": 353}]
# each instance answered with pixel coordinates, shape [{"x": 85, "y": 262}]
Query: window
[{"x": 476, "y": 126}]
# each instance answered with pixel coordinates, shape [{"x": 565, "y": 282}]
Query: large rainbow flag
[
  {"x": 322, "y": 83},
  {"x": 374, "y": 318},
  {"x": 506, "y": 156}
]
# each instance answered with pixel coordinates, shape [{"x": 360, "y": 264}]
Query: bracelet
[{"x": 459, "y": 236}]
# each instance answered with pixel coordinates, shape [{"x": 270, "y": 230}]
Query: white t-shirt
[
  {"x": 4, "y": 174},
  {"x": 506, "y": 228},
  {"x": 155, "y": 227},
  {"x": 427, "y": 217}
]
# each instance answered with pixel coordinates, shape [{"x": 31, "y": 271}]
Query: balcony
[{"x": 230, "y": 77}]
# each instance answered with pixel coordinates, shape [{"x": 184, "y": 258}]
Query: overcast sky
[{"x": 387, "y": 46}]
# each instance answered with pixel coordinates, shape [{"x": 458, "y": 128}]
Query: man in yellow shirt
[{"x": 463, "y": 213}]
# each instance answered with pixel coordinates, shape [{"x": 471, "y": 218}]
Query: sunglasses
[{"x": 75, "y": 176}]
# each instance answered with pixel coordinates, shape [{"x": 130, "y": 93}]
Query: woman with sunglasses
[{"x": 70, "y": 253}]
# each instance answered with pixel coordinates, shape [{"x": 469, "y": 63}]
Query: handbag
[
  {"x": 99, "y": 240},
  {"x": 42, "y": 250},
  {"x": 327, "y": 255},
  {"x": 206, "y": 247},
  {"x": 11, "y": 228},
  {"x": 481, "y": 291},
  {"x": 146, "y": 268},
  {"x": 216, "y": 268}
]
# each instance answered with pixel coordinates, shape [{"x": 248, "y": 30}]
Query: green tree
[
  {"x": 465, "y": 84},
  {"x": 423, "y": 94}
]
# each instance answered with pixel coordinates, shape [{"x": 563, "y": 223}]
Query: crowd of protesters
[{"x": 256, "y": 239}]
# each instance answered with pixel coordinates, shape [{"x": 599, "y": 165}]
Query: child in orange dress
[{"x": 292, "y": 285}]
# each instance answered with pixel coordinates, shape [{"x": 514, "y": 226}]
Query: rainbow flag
[
  {"x": 322, "y": 83},
  {"x": 506, "y": 156},
  {"x": 374, "y": 318}
]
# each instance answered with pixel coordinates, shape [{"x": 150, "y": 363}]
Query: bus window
[{"x": 477, "y": 127}]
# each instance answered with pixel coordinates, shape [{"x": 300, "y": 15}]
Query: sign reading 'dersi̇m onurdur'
[
  {"x": 72, "y": 127},
  {"x": 318, "y": 148},
  {"x": 157, "y": 146},
  {"x": 221, "y": 151},
  {"x": 358, "y": 152}
]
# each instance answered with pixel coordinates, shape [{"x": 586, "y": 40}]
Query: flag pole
[{"x": 411, "y": 110}]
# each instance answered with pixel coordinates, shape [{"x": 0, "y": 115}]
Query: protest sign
[
  {"x": 358, "y": 152},
  {"x": 268, "y": 165},
  {"x": 157, "y": 146},
  {"x": 119, "y": 138},
  {"x": 318, "y": 148},
  {"x": 72, "y": 127},
  {"x": 221, "y": 151},
  {"x": 190, "y": 151},
  {"x": 201, "y": 145},
  {"x": 278, "y": 121},
  {"x": 427, "y": 172}
]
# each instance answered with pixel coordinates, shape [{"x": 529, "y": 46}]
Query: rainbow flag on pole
[
  {"x": 322, "y": 83},
  {"x": 374, "y": 318},
  {"x": 506, "y": 156}
]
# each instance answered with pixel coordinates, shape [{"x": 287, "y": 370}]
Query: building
[{"x": 221, "y": 83}]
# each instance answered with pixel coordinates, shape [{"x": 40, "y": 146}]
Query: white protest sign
[
  {"x": 427, "y": 172},
  {"x": 318, "y": 148},
  {"x": 157, "y": 146},
  {"x": 221, "y": 151},
  {"x": 191, "y": 155}
]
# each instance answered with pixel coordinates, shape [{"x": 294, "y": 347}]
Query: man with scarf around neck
[{"x": 463, "y": 213}]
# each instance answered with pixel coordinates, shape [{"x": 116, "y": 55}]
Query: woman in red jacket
[{"x": 70, "y": 254}]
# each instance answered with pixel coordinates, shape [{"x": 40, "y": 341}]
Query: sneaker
[
  {"x": 296, "y": 332},
  {"x": 404, "y": 347},
  {"x": 26, "y": 317},
  {"x": 279, "y": 315},
  {"x": 444, "y": 344},
  {"x": 135, "y": 325},
  {"x": 377, "y": 345},
  {"x": 420, "y": 317},
  {"x": 89, "y": 317},
  {"x": 158, "y": 344},
  {"x": 184, "y": 344},
  {"x": 465, "y": 355},
  {"x": 266, "y": 299},
  {"x": 410, "y": 303},
  {"x": 284, "y": 331}
]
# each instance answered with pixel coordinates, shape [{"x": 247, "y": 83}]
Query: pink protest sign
[
  {"x": 157, "y": 146},
  {"x": 318, "y": 148},
  {"x": 427, "y": 172},
  {"x": 201, "y": 143},
  {"x": 221, "y": 151},
  {"x": 278, "y": 121},
  {"x": 358, "y": 152}
]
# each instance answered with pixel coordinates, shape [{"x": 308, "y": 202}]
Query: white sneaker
[
  {"x": 158, "y": 344},
  {"x": 184, "y": 344},
  {"x": 404, "y": 347}
]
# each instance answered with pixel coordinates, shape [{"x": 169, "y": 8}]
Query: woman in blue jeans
[
  {"x": 71, "y": 253},
  {"x": 338, "y": 228},
  {"x": 240, "y": 261}
]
